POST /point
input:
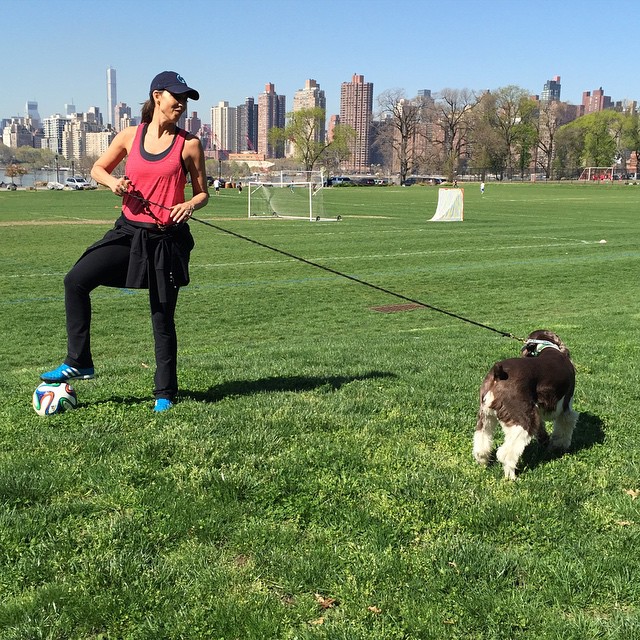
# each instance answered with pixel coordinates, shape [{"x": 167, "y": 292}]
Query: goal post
[
  {"x": 450, "y": 206},
  {"x": 287, "y": 199},
  {"x": 596, "y": 174},
  {"x": 293, "y": 200}
]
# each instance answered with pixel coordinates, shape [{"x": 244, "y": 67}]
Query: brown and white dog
[{"x": 521, "y": 394}]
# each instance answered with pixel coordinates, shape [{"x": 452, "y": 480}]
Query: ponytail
[{"x": 147, "y": 111}]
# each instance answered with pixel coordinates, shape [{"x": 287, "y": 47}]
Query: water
[{"x": 40, "y": 175}]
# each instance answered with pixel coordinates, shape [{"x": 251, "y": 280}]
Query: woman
[{"x": 150, "y": 244}]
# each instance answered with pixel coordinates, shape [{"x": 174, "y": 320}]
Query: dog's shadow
[{"x": 589, "y": 431}]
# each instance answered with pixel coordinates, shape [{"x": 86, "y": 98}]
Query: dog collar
[{"x": 536, "y": 347}]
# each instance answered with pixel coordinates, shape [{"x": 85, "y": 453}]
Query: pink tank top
[{"x": 159, "y": 178}]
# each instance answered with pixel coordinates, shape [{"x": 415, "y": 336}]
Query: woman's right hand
[{"x": 121, "y": 186}]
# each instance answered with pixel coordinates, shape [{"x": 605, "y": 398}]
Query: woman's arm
[
  {"x": 110, "y": 159},
  {"x": 193, "y": 155}
]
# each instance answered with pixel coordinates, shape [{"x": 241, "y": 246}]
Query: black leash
[{"x": 338, "y": 273}]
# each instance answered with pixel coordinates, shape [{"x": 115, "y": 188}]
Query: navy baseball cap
[{"x": 174, "y": 83}]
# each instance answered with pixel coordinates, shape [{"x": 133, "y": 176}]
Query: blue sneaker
[
  {"x": 66, "y": 372},
  {"x": 162, "y": 404}
]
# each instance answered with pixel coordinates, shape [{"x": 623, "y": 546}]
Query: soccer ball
[{"x": 54, "y": 397}]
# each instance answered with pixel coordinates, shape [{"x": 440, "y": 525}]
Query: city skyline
[{"x": 422, "y": 46}]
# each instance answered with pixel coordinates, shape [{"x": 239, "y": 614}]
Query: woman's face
[{"x": 172, "y": 105}]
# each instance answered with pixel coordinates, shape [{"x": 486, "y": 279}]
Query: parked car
[
  {"x": 77, "y": 183},
  {"x": 55, "y": 185},
  {"x": 338, "y": 180}
]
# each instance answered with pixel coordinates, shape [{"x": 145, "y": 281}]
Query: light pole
[{"x": 57, "y": 169}]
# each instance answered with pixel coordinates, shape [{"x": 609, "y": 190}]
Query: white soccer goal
[
  {"x": 293, "y": 200},
  {"x": 450, "y": 206},
  {"x": 597, "y": 174}
]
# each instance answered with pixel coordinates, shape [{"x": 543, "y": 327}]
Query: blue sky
[{"x": 57, "y": 51}]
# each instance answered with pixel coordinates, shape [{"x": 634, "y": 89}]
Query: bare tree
[
  {"x": 403, "y": 118},
  {"x": 452, "y": 117},
  {"x": 510, "y": 117},
  {"x": 551, "y": 116}
]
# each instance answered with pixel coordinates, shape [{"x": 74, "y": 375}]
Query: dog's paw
[
  {"x": 484, "y": 458},
  {"x": 510, "y": 473}
]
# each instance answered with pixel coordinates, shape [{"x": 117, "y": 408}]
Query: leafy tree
[
  {"x": 339, "y": 149},
  {"x": 16, "y": 171},
  {"x": 569, "y": 148},
  {"x": 302, "y": 130},
  {"x": 631, "y": 135}
]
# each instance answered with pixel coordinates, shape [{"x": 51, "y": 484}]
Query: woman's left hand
[{"x": 181, "y": 212}]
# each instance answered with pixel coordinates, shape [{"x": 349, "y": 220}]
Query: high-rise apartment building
[
  {"x": 223, "y": 127},
  {"x": 551, "y": 90},
  {"x": 193, "y": 123},
  {"x": 356, "y": 111},
  {"x": 121, "y": 116},
  {"x": 312, "y": 97},
  {"x": 53, "y": 131},
  {"x": 247, "y": 125},
  {"x": 271, "y": 113},
  {"x": 112, "y": 96},
  {"x": 596, "y": 101}
]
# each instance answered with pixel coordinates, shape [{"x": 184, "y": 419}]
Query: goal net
[
  {"x": 450, "y": 206},
  {"x": 293, "y": 200},
  {"x": 596, "y": 173}
]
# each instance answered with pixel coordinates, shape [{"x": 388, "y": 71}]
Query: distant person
[
  {"x": 482, "y": 188},
  {"x": 239, "y": 185},
  {"x": 216, "y": 186},
  {"x": 150, "y": 244}
]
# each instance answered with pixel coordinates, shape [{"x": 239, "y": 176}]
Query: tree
[
  {"x": 510, "y": 118},
  {"x": 303, "y": 131},
  {"x": 339, "y": 150},
  {"x": 552, "y": 115},
  {"x": 569, "y": 147},
  {"x": 485, "y": 147},
  {"x": 452, "y": 115},
  {"x": 15, "y": 171},
  {"x": 631, "y": 136},
  {"x": 402, "y": 118}
]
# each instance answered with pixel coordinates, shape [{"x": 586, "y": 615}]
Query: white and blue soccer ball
[{"x": 50, "y": 398}]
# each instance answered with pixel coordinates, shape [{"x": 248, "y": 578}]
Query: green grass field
[{"x": 315, "y": 480}]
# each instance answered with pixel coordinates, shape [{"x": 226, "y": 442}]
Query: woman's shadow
[{"x": 277, "y": 384}]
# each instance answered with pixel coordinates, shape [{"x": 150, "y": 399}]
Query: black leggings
[{"x": 107, "y": 265}]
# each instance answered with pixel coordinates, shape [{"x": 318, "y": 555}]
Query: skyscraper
[
  {"x": 247, "y": 125},
  {"x": 595, "y": 101},
  {"x": 112, "y": 95},
  {"x": 551, "y": 90},
  {"x": 271, "y": 113},
  {"x": 356, "y": 111},
  {"x": 311, "y": 97},
  {"x": 32, "y": 112},
  {"x": 223, "y": 127}
]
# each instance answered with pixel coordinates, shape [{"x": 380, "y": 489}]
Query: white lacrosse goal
[{"x": 450, "y": 206}]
